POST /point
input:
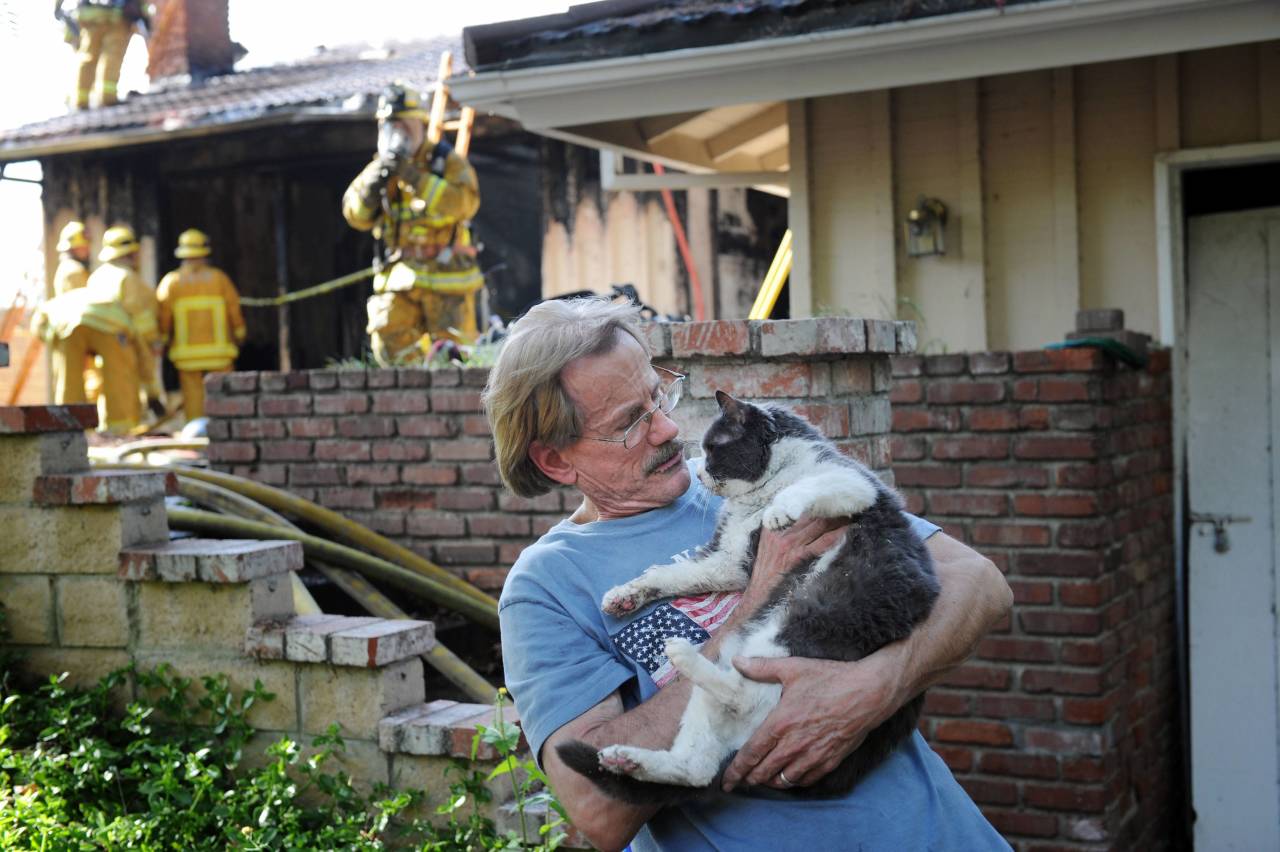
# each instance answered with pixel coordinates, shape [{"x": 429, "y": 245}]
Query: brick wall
[
  {"x": 407, "y": 452},
  {"x": 1057, "y": 465}
]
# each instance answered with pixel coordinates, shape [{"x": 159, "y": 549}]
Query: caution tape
[{"x": 299, "y": 295}]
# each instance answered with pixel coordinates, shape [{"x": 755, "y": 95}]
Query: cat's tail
[{"x": 584, "y": 759}]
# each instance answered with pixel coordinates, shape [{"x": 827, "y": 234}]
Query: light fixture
[{"x": 925, "y": 228}]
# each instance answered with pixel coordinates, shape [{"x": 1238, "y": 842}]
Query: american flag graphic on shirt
[{"x": 692, "y": 618}]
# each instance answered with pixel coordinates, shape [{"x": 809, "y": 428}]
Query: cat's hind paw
[
  {"x": 623, "y": 600},
  {"x": 618, "y": 760}
]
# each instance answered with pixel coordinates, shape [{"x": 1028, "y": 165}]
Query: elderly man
[{"x": 573, "y": 400}]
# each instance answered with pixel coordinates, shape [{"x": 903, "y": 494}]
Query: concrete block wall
[
  {"x": 91, "y": 582},
  {"x": 1058, "y": 466},
  {"x": 408, "y": 452}
]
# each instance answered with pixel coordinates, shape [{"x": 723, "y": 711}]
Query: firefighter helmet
[
  {"x": 192, "y": 243},
  {"x": 400, "y": 100},
  {"x": 117, "y": 242},
  {"x": 72, "y": 237}
]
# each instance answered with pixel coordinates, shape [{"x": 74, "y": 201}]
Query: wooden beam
[
  {"x": 778, "y": 158},
  {"x": 661, "y": 127},
  {"x": 1268, "y": 91},
  {"x": 799, "y": 210},
  {"x": 733, "y": 139},
  {"x": 1168, "y": 120},
  {"x": 973, "y": 222},
  {"x": 1066, "y": 229}
]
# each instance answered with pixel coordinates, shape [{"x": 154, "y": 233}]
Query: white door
[{"x": 1233, "y": 366}]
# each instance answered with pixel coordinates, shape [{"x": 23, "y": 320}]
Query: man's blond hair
[{"x": 525, "y": 400}]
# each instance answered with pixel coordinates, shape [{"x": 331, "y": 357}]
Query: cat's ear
[{"x": 730, "y": 407}]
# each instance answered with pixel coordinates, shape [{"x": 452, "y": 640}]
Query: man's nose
[{"x": 662, "y": 428}]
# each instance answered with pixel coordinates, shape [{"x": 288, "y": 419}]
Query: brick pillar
[{"x": 1057, "y": 465}]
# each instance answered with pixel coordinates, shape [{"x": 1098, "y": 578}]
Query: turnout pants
[{"x": 119, "y": 374}]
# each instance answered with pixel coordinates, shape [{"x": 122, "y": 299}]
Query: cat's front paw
[
  {"x": 623, "y": 600},
  {"x": 618, "y": 760},
  {"x": 681, "y": 653},
  {"x": 782, "y": 512}
]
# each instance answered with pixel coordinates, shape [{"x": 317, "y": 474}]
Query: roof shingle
[{"x": 327, "y": 80}]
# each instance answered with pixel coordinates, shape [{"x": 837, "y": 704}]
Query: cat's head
[{"x": 737, "y": 446}]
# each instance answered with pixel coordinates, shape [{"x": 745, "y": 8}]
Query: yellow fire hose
[
  {"x": 194, "y": 520},
  {"x": 135, "y": 447},
  {"x": 482, "y": 608},
  {"x": 357, "y": 587}
]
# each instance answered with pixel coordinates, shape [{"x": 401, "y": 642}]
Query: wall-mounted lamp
[{"x": 926, "y": 227}]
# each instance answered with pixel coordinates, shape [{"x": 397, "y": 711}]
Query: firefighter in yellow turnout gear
[
  {"x": 73, "y": 264},
  {"x": 114, "y": 317},
  {"x": 200, "y": 318},
  {"x": 416, "y": 197},
  {"x": 100, "y": 31}
]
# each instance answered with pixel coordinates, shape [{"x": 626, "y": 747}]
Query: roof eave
[
  {"x": 928, "y": 50},
  {"x": 77, "y": 144}
]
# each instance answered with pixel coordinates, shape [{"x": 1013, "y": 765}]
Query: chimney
[{"x": 190, "y": 38}]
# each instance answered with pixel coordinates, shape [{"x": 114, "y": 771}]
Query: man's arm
[
  {"x": 607, "y": 822},
  {"x": 827, "y": 708}
]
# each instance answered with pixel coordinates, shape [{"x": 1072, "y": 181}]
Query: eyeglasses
[{"x": 665, "y": 399}]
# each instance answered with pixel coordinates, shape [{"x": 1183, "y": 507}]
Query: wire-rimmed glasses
[{"x": 665, "y": 399}]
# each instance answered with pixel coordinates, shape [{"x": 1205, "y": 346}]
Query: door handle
[{"x": 1221, "y": 543}]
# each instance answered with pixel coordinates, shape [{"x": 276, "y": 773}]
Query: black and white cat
[{"x": 772, "y": 466}]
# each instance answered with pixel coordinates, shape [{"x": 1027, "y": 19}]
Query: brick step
[
  {"x": 339, "y": 640},
  {"x": 441, "y": 728},
  {"x": 29, "y": 456},
  {"x": 36, "y": 419},
  {"x": 206, "y": 560},
  {"x": 104, "y": 487}
]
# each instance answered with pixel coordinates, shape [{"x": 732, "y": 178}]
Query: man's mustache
[{"x": 666, "y": 452}]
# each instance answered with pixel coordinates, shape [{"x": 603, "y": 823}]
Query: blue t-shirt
[{"x": 563, "y": 656}]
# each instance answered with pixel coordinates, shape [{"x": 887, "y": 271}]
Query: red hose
[{"x": 695, "y": 283}]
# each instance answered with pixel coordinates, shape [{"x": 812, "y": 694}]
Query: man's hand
[
  {"x": 779, "y": 552},
  {"x": 827, "y": 708},
  {"x": 826, "y": 711}
]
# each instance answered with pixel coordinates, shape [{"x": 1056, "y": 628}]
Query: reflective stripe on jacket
[{"x": 200, "y": 316}]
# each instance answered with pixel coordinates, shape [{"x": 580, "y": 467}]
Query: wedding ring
[{"x": 782, "y": 776}]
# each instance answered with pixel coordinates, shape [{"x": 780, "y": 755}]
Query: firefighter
[
  {"x": 100, "y": 30},
  {"x": 73, "y": 265},
  {"x": 112, "y": 317},
  {"x": 200, "y": 318},
  {"x": 417, "y": 198},
  {"x": 116, "y": 280}
]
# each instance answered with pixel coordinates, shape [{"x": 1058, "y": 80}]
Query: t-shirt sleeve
[
  {"x": 921, "y": 527},
  {"x": 554, "y": 668}
]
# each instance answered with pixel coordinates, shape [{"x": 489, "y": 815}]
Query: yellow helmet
[
  {"x": 399, "y": 100},
  {"x": 117, "y": 242},
  {"x": 72, "y": 237},
  {"x": 192, "y": 243}
]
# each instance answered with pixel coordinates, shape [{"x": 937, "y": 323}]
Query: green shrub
[{"x": 170, "y": 774}]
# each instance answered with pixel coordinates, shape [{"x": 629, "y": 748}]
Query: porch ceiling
[{"x": 734, "y": 138}]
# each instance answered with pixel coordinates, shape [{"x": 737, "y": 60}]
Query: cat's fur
[{"x": 771, "y": 466}]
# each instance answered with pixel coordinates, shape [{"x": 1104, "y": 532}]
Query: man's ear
[{"x": 552, "y": 463}]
